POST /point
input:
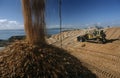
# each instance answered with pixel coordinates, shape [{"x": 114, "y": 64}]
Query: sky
[{"x": 75, "y": 13}]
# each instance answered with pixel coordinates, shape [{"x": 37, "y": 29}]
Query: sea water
[{"x": 6, "y": 34}]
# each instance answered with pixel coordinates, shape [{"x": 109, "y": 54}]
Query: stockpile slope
[
  {"x": 101, "y": 59},
  {"x": 24, "y": 60},
  {"x": 113, "y": 33}
]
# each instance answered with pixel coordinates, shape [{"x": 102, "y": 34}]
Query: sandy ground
[{"x": 101, "y": 59}]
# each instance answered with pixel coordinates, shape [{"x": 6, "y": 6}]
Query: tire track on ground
[{"x": 99, "y": 68}]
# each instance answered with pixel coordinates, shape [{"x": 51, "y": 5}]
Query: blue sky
[{"x": 75, "y": 13}]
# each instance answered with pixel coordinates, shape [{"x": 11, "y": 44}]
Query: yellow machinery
[{"x": 97, "y": 36}]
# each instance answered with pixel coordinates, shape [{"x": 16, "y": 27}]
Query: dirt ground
[{"x": 101, "y": 59}]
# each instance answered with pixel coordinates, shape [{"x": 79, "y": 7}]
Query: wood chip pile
[{"x": 24, "y": 60}]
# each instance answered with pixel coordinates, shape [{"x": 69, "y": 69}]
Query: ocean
[{"x": 5, "y": 34}]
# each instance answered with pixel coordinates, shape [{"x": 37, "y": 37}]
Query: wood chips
[{"x": 24, "y": 60}]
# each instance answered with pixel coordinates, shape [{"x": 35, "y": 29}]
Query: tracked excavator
[{"x": 97, "y": 36}]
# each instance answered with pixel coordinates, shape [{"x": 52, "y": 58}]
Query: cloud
[
  {"x": 6, "y": 24},
  {"x": 3, "y": 20},
  {"x": 11, "y": 22}
]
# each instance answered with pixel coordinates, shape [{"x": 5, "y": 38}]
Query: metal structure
[{"x": 60, "y": 18}]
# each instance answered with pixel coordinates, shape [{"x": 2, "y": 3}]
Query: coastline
[{"x": 1, "y": 48}]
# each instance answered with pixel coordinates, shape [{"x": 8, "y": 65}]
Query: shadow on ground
[
  {"x": 112, "y": 40},
  {"x": 24, "y": 60}
]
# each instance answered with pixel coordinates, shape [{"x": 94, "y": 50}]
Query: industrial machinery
[{"x": 97, "y": 36}]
